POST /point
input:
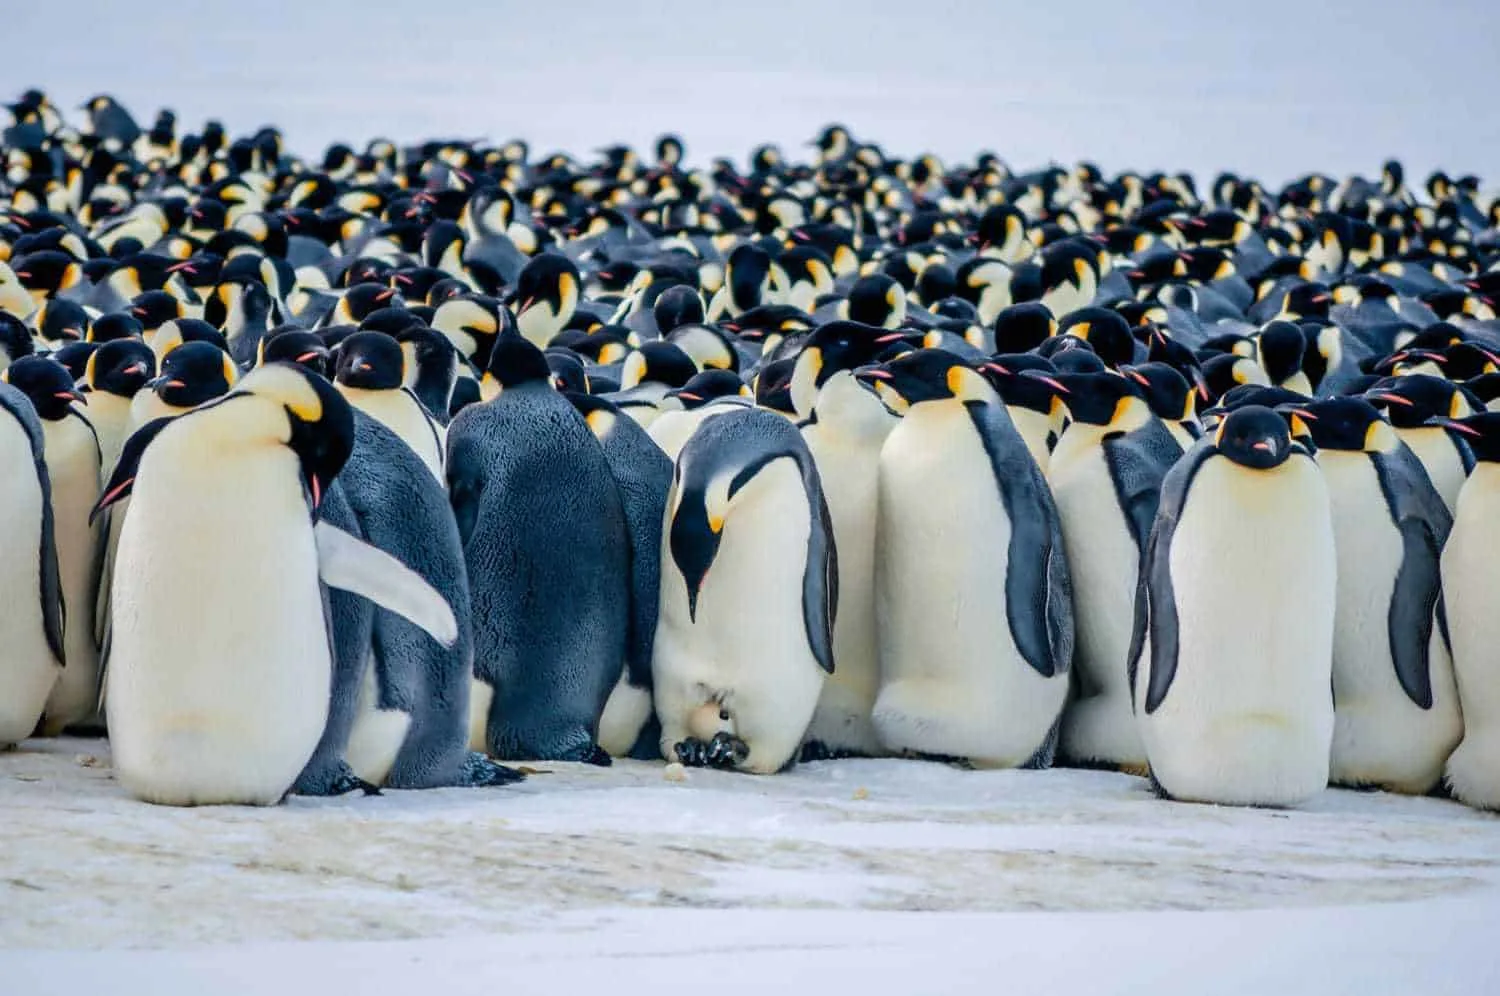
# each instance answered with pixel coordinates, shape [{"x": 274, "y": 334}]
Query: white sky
[{"x": 1269, "y": 87}]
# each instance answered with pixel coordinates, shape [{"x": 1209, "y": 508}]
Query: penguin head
[
  {"x": 1348, "y": 424},
  {"x": 707, "y": 346},
  {"x": 514, "y": 361},
  {"x": 471, "y": 322},
  {"x": 1025, "y": 380},
  {"x": 1021, "y": 328},
  {"x": 1255, "y": 437},
  {"x": 1168, "y": 393},
  {"x": 657, "y": 362},
  {"x": 1280, "y": 347},
  {"x": 180, "y": 330},
  {"x": 550, "y": 281},
  {"x": 47, "y": 273},
  {"x": 1226, "y": 371},
  {"x": 62, "y": 320},
  {"x": 1410, "y": 402},
  {"x": 319, "y": 423},
  {"x": 926, "y": 375},
  {"x": 773, "y": 386},
  {"x": 1104, "y": 399},
  {"x": 677, "y": 305},
  {"x": 748, "y": 272},
  {"x": 193, "y": 373},
  {"x": 154, "y": 307},
  {"x": 370, "y": 361},
  {"x": 47, "y": 383},
  {"x": 710, "y": 386},
  {"x": 358, "y": 302},
  {"x": 15, "y": 340},
  {"x": 841, "y": 345},
  {"x": 878, "y": 300},
  {"x": 297, "y": 346},
  {"x": 1106, "y": 332},
  {"x": 75, "y": 356},
  {"x": 1481, "y": 432},
  {"x": 568, "y": 374},
  {"x": 115, "y": 325},
  {"x": 120, "y": 367}
]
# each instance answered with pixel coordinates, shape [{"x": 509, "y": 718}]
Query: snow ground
[{"x": 1066, "y": 878}]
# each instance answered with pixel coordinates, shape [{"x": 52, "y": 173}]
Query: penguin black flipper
[
  {"x": 1137, "y": 462},
  {"x": 122, "y": 481},
  {"x": 1424, "y": 523},
  {"x": 1038, "y": 585},
  {"x": 1155, "y": 602},
  {"x": 53, "y": 610},
  {"x": 820, "y": 576}
]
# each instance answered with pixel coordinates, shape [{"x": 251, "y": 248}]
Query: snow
[{"x": 1075, "y": 880}]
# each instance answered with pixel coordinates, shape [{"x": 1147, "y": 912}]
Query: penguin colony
[{"x": 383, "y": 469}]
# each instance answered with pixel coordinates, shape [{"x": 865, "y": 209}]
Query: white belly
[
  {"x": 850, "y": 471},
  {"x": 403, "y": 414},
  {"x": 28, "y": 670},
  {"x": 1380, "y": 736},
  {"x": 73, "y": 466},
  {"x": 220, "y": 669},
  {"x": 377, "y": 735},
  {"x": 748, "y": 651},
  {"x": 1473, "y": 601},
  {"x": 953, "y": 682},
  {"x": 1104, "y": 562},
  {"x": 1249, "y": 716}
]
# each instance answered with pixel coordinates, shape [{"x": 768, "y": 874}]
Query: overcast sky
[{"x": 1268, "y": 87}]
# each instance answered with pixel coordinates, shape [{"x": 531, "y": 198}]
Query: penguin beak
[
  {"x": 1265, "y": 446},
  {"x": 73, "y": 395},
  {"x": 305, "y": 357},
  {"x": 135, "y": 368},
  {"x": 1394, "y": 399},
  {"x": 1456, "y": 426}
]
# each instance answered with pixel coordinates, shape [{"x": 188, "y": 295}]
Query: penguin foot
[
  {"x": 348, "y": 782},
  {"x": 953, "y": 761},
  {"x": 817, "y": 750},
  {"x": 724, "y": 751},
  {"x": 1156, "y": 787},
  {"x": 481, "y": 772},
  {"x": 599, "y": 757}
]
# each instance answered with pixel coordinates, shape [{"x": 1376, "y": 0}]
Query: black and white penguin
[
  {"x": 1418, "y": 405},
  {"x": 960, "y": 676},
  {"x": 746, "y": 525},
  {"x": 1233, "y": 699},
  {"x": 547, "y": 293},
  {"x": 370, "y": 371},
  {"x": 1396, "y": 709},
  {"x": 551, "y": 598},
  {"x": 72, "y": 455},
  {"x": 32, "y": 626},
  {"x": 705, "y": 395},
  {"x": 213, "y": 705},
  {"x": 1105, "y": 475},
  {"x": 114, "y": 374},
  {"x": 1472, "y": 601}
]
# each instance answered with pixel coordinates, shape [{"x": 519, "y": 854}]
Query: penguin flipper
[
  {"x": 820, "y": 575},
  {"x": 1038, "y": 583},
  {"x": 54, "y": 609},
  {"x": 1424, "y": 522},
  {"x": 351, "y": 564},
  {"x": 1156, "y": 603}
]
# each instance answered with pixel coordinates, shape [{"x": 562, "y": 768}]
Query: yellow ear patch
[
  {"x": 232, "y": 374},
  {"x": 1381, "y": 438},
  {"x": 1081, "y": 330},
  {"x": 89, "y": 368}
]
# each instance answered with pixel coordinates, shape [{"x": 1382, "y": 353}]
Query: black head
[
  {"x": 925, "y": 375},
  {"x": 1482, "y": 433},
  {"x": 710, "y": 386},
  {"x": 568, "y": 374},
  {"x": 773, "y": 385},
  {"x": 549, "y": 279},
  {"x": 370, "y": 361},
  {"x": 47, "y": 383},
  {"x": 63, "y": 320},
  {"x": 15, "y": 339},
  {"x": 1106, "y": 332},
  {"x": 388, "y": 320},
  {"x": 1103, "y": 398},
  {"x": 121, "y": 367},
  {"x": 1281, "y": 346},
  {"x": 877, "y": 300},
  {"x": 297, "y": 346},
  {"x": 190, "y": 330},
  {"x": 844, "y": 345},
  {"x": 193, "y": 373},
  {"x": 1257, "y": 394},
  {"x": 1168, "y": 392},
  {"x": 515, "y": 361},
  {"x": 1226, "y": 371},
  {"x": 658, "y": 362},
  {"x": 49, "y": 271},
  {"x": 1308, "y": 300},
  {"x": 1467, "y": 360},
  {"x": 75, "y": 356},
  {"x": 115, "y": 325},
  {"x": 1348, "y": 424},
  {"x": 363, "y": 299},
  {"x": 1023, "y": 327},
  {"x": 1255, "y": 437},
  {"x": 677, "y": 305},
  {"x": 1025, "y": 380},
  {"x": 154, "y": 307},
  {"x": 1411, "y": 401},
  {"x": 748, "y": 267}
]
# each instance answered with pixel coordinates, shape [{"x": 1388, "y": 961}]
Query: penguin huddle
[{"x": 385, "y": 469}]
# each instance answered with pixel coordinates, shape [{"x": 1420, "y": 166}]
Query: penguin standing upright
[
  {"x": 1396, "y": 709},
  {"x": 1106, "y": 475},
  {"x": 746, "y": 524},
  {"x": 548, "y": 553},
  {"x": 207, "y": 703},
  {"x": 973, "y": 602},
  {"x": 31, "y": 628},
  {"x": 72, "y": 456},
  {"x": 1473, "y": 606},
  {"x": 1237, "y": 602}
]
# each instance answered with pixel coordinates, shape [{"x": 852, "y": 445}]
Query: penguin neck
[{"x": 845, "y": 408}]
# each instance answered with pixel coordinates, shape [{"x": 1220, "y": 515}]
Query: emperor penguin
[
  {"x": 547, "y": 292},
  {"x": 189, "y": 375},
  {"x": 1420, "y": 407},
  {"x": 371, "y": 374},
  {"x": 643, "y": 475},
  {"x": 72, "y": 455},
  {"x": 705, "y": 395},
  {"x": 746, "y": 525},
  {"x": 548, "y": 553},
  {"x": 973, "y": 603},
  {"x": 114, "y": 374},
  {"x": 845, "y": 434},
  {"x": 1473, "y": 606},
  {"x": 212, "y": 705},
  {"x": 31, "y": 628},
  {"x": 1033, "y": 398},
  {"x": 1237, "y": 601},
  {"x": 1396, "y": 709},
  {"x": 1106, "y": 475}
]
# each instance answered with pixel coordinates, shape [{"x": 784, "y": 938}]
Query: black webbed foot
[
  {"x": 598, "y": 756},
  {"x": 348, "y": 782},
  {"x": 725, "y": 751},
  {"x": 481, "y": 772}
]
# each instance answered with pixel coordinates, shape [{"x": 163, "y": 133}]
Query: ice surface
[{"x": 618, "y": 874}]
